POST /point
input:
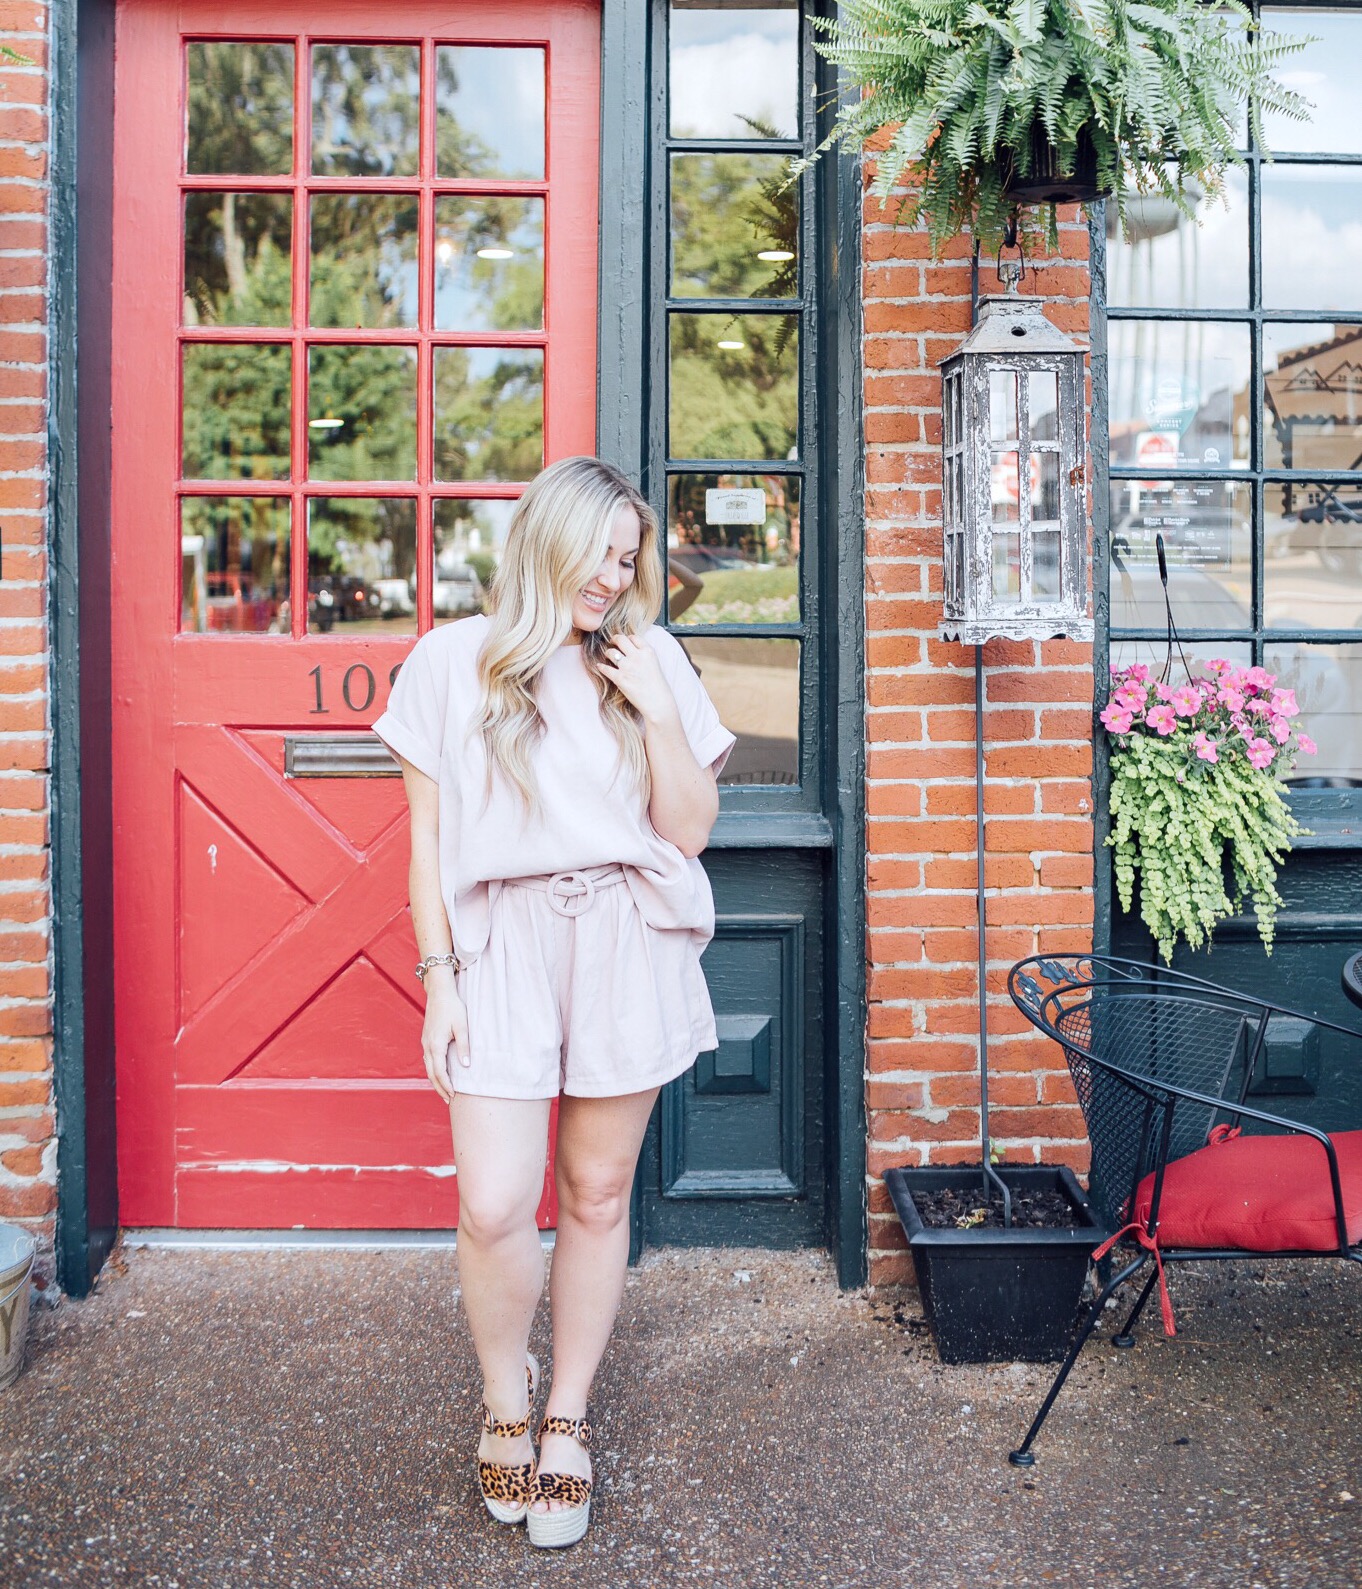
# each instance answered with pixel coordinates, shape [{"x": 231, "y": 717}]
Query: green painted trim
[
  {"x": 68, "y": 1011},
  {"x": 842, "y": 505},
  {"x": 1100, "y": 453}
]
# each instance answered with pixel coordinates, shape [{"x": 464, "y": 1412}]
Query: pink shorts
[{"x": 576, "y": 993}]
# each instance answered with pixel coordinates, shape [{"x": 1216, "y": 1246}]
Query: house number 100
[{"x": 358, "y": 687}]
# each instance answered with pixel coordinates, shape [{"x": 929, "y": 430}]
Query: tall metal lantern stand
[{"x": 1014, "y": 517}]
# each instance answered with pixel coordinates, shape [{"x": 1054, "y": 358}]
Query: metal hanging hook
[{"x": 1011, "y": 273}]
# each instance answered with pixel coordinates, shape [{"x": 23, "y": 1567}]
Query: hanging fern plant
[{"x": 979, "y": 91}]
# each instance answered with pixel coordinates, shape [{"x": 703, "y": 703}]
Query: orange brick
[
  {"x": 1066, "y": 871},
  {"x": 921, "y": 982},
  {"x": 1068, "y": 799},
  {"x": 917, "y": 689},
  {"x": 891, "y": 1125},
  {"x": 894, "y": 800},
  {"x": 15, "y": 1094},
  {"x": 1053, "y": 1120},
  {"x": 19, "y": 162},
  {"x": 895, "y": 1095},
  {"x": 890, "y": 875},
  {"x": 1000, "y": 871},
  {"x": 884, "y": 728},
  {"x": 1018, "y": 1091},
  {"x": 1015, "y": 833},
  {"x": 27, "y": 1201},
  {"x": 933, "y": 762},
  {"x": 22, "y": 1161},
  {"x": 895, "y": 947},
  {"x": 25, "y": 1058},
  {"x": 1028, "y": 684},
  {"x": 15, "y": 718},
  {"x": 1038, "y": 761},
  {"x": 891, "y": 1269}
]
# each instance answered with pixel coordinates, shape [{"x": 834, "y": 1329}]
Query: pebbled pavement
[{"x": 306, "y": 1419}]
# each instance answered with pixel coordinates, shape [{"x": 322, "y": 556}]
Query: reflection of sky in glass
[
  {"x": 499, "y": 105},
  {"x": 1176, "y": 393},
  {"x": 474, "y": 293},
  {"x": 733, "y": 63},
  {"x": 463, "y": 526},
  {"x": 1206, "y": 532},
  {"x": 1312, "y": 238},
  {"x": 388, "y": 78},
  {"x": 1169, "y": 262},
  {"x": 1327, "y": 74},
  {"x": 1328, "y": 685}
]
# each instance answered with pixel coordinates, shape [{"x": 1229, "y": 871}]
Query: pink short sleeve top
[{"x": 590, "y": 812}]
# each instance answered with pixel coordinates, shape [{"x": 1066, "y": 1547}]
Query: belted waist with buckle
[{"x": 570, "y": 893}]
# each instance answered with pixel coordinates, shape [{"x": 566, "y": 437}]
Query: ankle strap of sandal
[
  {"x": 578, "y": 1428},
  {"x": 505, "y": 1427}
]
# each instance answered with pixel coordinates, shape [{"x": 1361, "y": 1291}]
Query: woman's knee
[
  {"x": 599, "y": 1200},
  {"x": 492, "y": 1214}
]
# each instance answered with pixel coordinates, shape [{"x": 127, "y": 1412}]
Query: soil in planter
[{"x": 953, "y": 1209}]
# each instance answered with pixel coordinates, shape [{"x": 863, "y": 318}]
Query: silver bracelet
[{"x": 436, "y": 960}]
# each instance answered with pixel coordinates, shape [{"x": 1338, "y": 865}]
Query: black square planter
[{"x": 995, "y": 1296}]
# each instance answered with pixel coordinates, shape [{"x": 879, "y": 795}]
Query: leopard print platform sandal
[
  {"x": 506, "y": 1488},
  {"x": 564, "y": 1527}
]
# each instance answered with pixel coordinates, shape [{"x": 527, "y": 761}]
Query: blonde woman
[{"x": 561, "y": 760}]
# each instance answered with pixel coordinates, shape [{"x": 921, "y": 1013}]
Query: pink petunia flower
[
  {"x": 1117, "y": 719},
  {"x": 1138, "y": 673},
  {"x": 1205, "y": 747},
  {"x": 1284, "y": 701},
  {"x": 1260, "y": 753},
  {"x": 1259, "y": 678},
  {"x": 1186, "y": 700},
  {"x": 1307, "y": 744},
  {"x": 1131, "y": 697},
  {"x": 1231, "y": 699},
  {"x": 1280, "y": 730},
  {"x": 1259, "y": 708},
  {"x": 1218, "y": 665},
  {"x": 1163, "y": 691},
  {"x": 1162, "y": 719}
]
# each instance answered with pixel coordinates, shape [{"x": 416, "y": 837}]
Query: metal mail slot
[{"x": 338, "y": 756}]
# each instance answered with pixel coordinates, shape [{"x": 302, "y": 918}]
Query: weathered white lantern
[{"x": 1013, "y": 480}]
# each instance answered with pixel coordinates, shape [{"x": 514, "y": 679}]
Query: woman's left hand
[{"x": 632, "y": 666}]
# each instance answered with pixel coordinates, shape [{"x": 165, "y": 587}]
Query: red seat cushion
[{"x": 1261, "y": 1194}]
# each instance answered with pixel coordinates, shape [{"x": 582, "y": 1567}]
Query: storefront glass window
[{"x": 1236, "y": 410}]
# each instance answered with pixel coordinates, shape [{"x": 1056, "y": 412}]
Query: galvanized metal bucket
[{"x": 17, "y": 1248}]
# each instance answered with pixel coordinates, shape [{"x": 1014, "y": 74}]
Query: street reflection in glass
[
  {"x": 366, "y": 102},
  {"x": 238, "y": 251},
  {"x": 489, "y": 413},
  {"x": 1327, "y": 72},
  {"x": 234, "y": 565},
  {"x": 1312, "y": 572},
  {"x": 363, "y": 259},
  {"x": 735, "y": 227},
  {"x": 1207, "y": 529},
  {"x": 361, "y": 414},
  {"x": 1313, "y": 386},
  {"x": 1177, "y": 393},
  {"x": 1171, "y": 262},
  {"x": 240, "y": 109},
  {"x": 1310, "y": 237},
  {"x": 754, "y": 685},
  {"x": 469, "y": 536},
  {"x": 361, "y": 565},
  {"x": 1328, "y": 685},
  {"x": 733, "y": 549},
  {"x": 489, "y": 112},
  {"x": 734, "y": 386},
  {"x": 236, "y": 411},
  {"x": 489, "y": 264},
  {"x": 734, "y": 71}
]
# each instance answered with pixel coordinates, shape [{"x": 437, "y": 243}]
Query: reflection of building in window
[{"x": 1314, "y": 397}]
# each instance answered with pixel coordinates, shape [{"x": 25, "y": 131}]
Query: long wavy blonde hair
[{"x": 557, "y": 538}]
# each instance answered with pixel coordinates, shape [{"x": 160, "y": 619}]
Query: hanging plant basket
[{"x": 1047, "y": 183}]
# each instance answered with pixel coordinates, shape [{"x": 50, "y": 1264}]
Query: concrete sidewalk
[{"x": 308, "y": 1418}]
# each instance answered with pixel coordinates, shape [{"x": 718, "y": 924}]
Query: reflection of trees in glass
[
  {"x": 241, "y": 109},
  {"x": 737, "y": 401},
  {"x": 366, "y": 103},
  {"x": 473, "y": 294},
  {"x": 368, "y": 537},
  {"x": 372, "y": 392},
  {"x": 237, "y": 252},
  {"x": 489, "y": 112},
  {"x": 489, "y": 413},
  {"x": 363, "y": 259},
  {"x": 725, "y": 210},
  {"x": 235, "y": 572},
  {"x": 236, "y": 411}
]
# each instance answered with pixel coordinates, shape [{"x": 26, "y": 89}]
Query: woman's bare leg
[
  {"x": 598, "y": 1146},
  {"x": 500, "y": 1149}
]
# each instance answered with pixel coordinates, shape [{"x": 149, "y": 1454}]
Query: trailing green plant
[
  {"x": 1161, "y": 87},
  {"x": 1197, "y": 805}
]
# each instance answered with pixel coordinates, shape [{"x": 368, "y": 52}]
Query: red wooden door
[{"x": 354, "y": 311}]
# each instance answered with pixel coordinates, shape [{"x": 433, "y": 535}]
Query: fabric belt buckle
[{"x": 571, "y": 893}]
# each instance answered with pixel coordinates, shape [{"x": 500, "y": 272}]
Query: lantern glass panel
[
  {"x": 1046, "y": 580},
  {"x": 1002, "y": 406},
  {"x": 1003, "y": 491},
  {"x": 1006, "y": 565},
  {"x": 1042, "y": 404},
  {"x": 1044, "y": 486}
]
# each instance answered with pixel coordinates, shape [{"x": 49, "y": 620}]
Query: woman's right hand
[{"x": 445, "y": 1027}]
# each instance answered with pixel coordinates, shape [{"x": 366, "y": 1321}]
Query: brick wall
[
  {"x": 922, "y": 1089},
  {"x": 27, "y": 1121}
]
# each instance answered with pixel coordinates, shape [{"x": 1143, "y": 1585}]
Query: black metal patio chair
[{"x": 1162, "y": 1063}]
